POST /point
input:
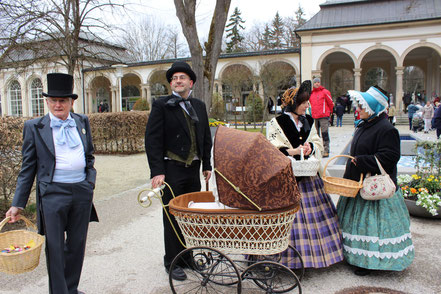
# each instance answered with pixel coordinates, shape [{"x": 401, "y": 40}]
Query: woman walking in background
[
  {"x": 376, "y": 234},
  {"x": 427, "y": 116},
  {"x": 315, "y": 233}
]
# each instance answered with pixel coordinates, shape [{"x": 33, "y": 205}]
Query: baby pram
[
  {"x": 417, "y": 122},
  {"x": 240, "y": 249}
]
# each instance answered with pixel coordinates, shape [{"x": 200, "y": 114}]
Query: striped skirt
[{"x": 315, "y": 232}]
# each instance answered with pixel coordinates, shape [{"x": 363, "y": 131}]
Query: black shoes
[
  {"x": 177, "y": 274},
  {"x": 359, "y": 271}
]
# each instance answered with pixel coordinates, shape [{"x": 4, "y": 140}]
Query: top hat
[
  {"x": 60, "y": 85},
  {"x": 180, "y": 66}
]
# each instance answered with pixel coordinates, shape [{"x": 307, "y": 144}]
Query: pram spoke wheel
[
  {"x": 290, "y": 257},
  {"x": 271, "y": 277},
  {"x": 208, "y": 271}
]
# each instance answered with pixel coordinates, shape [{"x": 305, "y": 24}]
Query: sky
[{"x": 252, "y": 11}]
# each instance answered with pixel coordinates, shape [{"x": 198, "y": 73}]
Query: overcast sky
[{"x": 253, "y": 11}]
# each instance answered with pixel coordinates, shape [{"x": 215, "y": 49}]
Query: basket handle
[
  {"x": 341, "y": 155},
  {"x": 22, "y": 217}
]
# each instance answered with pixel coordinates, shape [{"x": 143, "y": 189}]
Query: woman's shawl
[{"x": 278, "y": 138}]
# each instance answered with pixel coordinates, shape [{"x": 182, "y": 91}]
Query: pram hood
[{"x": 251, "y": 163}]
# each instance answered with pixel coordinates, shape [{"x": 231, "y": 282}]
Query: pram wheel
[
  {"x": 271, "y": 277},
  {"x": 208, "y": 271},
  {"x": 290, "y": 257}
]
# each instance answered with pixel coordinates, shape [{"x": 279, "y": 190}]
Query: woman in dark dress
[
  {"x": 315, "y": 233},
  {"x": 376, "y": 234}
]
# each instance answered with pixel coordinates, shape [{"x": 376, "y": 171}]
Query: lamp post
[{"x": 119, "y": 74}]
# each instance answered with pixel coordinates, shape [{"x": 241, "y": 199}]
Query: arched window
[
  {"x": 413, "y": 79},
  {"x": 37, "y": 99},
  {"x": 15, "y": 99},
  {"x": 158, "y": 90},
  {"x": 376, "y": 76},
  {"x": 342, "y": 80}
]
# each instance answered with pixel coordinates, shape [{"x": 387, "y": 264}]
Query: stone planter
[{"x": 418, "y": 211}]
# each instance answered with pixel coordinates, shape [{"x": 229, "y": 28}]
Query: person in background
[
  {"x": 315, "y": 232},
  {"x": 391, "y": 113},
  {"x": 177, "y": 143},
  {"x": 321, "y": 108},
  {"x": 376, "y": 234},
  {"x": 437, "y": 121},
  {"x": 339, "y": 111},
  {"x": 58, "y": 150},
  {"x": 411, "y": 110},
  {"x": 427, "y": 116}
]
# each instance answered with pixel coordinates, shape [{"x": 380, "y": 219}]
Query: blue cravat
[{"x": 66, "y": 133}]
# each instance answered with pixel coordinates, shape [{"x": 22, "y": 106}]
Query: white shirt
[
  {"x": 298, "y": 125},
  {"x": 66, "y": 158}
]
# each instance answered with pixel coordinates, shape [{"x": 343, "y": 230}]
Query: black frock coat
[
  {"x": 167, "y": 130},
  {"x": 376, "y": 137}
]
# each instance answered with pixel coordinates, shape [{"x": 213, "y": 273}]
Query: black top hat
[
  {"x": 180, "y": 66},
  {"x": 60, "y": 85}
]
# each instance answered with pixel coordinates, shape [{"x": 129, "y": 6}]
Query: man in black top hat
[
  {"x": 177, "y": 142},
  {"x": 58, "y": 150}
]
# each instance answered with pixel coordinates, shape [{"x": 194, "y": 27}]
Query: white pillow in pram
[{"x": 208, "y": 205}]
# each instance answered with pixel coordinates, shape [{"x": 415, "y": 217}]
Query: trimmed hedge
[
  {"x": 118, "y": 132},
  {"x": 11, "y": 139}
]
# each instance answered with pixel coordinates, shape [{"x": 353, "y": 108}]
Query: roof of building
[
  {"x": 93, "y": 48},
  {"x": 222, "y": 56},
  {"x": 350, "y": 13}
]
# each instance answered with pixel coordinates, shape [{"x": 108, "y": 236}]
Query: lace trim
[
  {"x": 377, "y": 254},
  {"x": 377, "y": 239},
  {"x": 358, "y": 99}
]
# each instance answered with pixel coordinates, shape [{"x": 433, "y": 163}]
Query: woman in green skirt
[{"x": 376, "y": 234}]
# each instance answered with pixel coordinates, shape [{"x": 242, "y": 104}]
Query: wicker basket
[
  {"x": 24, "y": 261},
  {"x": 233, "y": 231},
  {"x": 340, "y": 186},
  {"x": 305, "y": 168}
]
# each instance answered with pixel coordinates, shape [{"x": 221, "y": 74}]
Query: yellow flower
[
  {"x": 415, "y": 177},
  {"x": 429, "y": 179}
]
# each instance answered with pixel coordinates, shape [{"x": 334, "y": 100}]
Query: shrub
[
  {"x": 217, "y": 107},
  {"x": 118, "y": 132},
  {"x": 11, "y": 129},
  {"x": 141, "y": 105},
  {"x": 254, "y": 107}
]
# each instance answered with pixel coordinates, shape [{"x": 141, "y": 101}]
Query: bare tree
[
  {"x": 253, "y": 38},
  {"x": 150, "y": 39},
  {"x": 66, "y": 29},
  {"x": 238, "y": 77},
  {"x": 204, "y": 67},
  {"x": 275, "y": 77}
]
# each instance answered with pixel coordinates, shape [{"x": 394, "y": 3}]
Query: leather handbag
[{"x": 377, "y": 187}]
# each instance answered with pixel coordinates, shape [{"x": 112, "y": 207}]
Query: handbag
[{"x": 377, "y": 187}]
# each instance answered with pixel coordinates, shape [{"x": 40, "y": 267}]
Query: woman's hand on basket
[
  {"x": 14, "y": 214},
  {"x": 158, "y": 181},
  {"x": 307, "y": 148}
]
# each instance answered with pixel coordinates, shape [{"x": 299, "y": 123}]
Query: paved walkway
[{"x": 124, "y": 251}]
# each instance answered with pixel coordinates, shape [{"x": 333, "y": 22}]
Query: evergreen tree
[
  {"x": 233, "y": 32},
  {"x": 300, "y": 17},
  {"x": 266, "y": 39},
  {"x": 277, "y": 33}
]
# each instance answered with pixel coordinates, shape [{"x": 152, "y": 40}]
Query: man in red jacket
[{"x": 321, "y": 108}]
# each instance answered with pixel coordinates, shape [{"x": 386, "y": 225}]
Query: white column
[
  {"x": 399, "y": 70},
  {"x": 357, "y": 79}
]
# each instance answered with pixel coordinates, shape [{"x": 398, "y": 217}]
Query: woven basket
[
  {"x": 233, "y": 231},
  {"x": 24, "y": 261},
  {"x": 305, "y": 168},
  {"x": 340, "y": 186}
]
